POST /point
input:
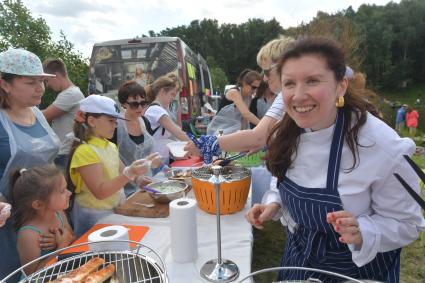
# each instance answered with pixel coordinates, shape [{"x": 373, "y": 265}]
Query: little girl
[
  {"x": 95, "y": 169},
  {"x": 39, "y": 197}
]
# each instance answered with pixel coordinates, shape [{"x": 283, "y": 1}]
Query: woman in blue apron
[
  {"x": 334, "y": 162},
  {"x": 26, "y": 138}
]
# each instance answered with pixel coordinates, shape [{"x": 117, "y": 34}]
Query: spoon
[
  {"x": 147, "y": 205},
  {"x": 152, "y": 190}
]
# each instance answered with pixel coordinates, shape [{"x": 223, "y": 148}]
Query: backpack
[{"x": 156, "y": 129}]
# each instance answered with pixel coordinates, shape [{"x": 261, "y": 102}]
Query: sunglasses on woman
[
  {"x": 253, "y": 87},
  {"x": 266, "y": 72},
  {"x": 136, "y": 104}
]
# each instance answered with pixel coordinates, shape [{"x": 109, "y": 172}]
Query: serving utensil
[
  {"x": 227, "y": 160},
  {"x": 152, "y": 190},
  {"x": 147, "y": 205}
]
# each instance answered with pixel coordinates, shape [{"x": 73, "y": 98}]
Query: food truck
[{"x": 145, "y": 59}]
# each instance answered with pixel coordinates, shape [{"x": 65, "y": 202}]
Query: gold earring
[{"x": 340, "y": 102}]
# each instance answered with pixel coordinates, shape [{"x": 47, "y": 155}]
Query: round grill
[
  {"x": 229, "y": 173},
  {"x": 138, "y": 265}
]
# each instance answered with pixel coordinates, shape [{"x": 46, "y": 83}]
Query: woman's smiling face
[{"x": 310, "y": 90}]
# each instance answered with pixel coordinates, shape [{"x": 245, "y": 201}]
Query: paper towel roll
[
  {"x": 184, "y": 234},
  {"x": 109, "y": 233}
]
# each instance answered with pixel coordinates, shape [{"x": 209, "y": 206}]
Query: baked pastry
[
  {"x": 80, "y": 274},
  {"x": 101, "y": 275}
]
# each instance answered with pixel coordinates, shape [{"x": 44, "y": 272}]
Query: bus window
[
  {"x": 141, "y": 53},
  {"x": 125, "y": 54}
]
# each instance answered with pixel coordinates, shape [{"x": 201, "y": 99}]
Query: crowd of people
[{"x": 345, "y": 212}]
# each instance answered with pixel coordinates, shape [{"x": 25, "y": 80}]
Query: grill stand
[{"x": 219, "y": 270}]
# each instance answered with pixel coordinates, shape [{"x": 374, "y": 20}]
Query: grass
[{"x": 269, "y": 245}]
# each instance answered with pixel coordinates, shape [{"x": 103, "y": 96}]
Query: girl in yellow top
[{"x": 95, "y": 169}]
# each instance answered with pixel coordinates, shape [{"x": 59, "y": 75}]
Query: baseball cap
[
  {"x": 100, "y": 105},
  {"x": 21, "y": 62}
]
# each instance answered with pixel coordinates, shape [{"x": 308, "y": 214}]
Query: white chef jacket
[{"x": 388, "y": 216}]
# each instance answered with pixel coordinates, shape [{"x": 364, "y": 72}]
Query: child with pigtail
[{"x": 95, "y": 170}]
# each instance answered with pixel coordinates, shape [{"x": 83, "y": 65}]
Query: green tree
[
  {"x": 234, "y": 47},
  {"x": 218, "y": 76},
  {"x": 19, "y": 29}
]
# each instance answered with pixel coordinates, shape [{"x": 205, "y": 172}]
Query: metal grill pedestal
[{"x": 219, "y": 270}]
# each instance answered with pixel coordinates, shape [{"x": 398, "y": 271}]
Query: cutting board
[
  {"x": 129, "y": 208},
  {"x": 190, "y": 162}
]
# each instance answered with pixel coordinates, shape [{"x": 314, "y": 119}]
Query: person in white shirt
[
  {"x": 252, "y": 139},
  {"x": 62, "y": 111},
  {"x": 161, "y": 93},
  {"x": 334, "y": 161}
]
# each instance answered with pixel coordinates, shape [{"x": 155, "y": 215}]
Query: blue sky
[{"x": 85, "y": 22}]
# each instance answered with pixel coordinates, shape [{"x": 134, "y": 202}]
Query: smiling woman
[
  {"x": 349, "y": 214},
  {"x": 22, "y": 126}
]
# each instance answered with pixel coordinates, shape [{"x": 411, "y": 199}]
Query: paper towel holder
[{"x": 219, "y": 270}]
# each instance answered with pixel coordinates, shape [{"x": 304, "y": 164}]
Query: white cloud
[{"x": 85, "y": 22}]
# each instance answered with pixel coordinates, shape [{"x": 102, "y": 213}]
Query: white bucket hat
[
  {"x": 99, "y": 104},
  {"x": 21, "y": 62}
]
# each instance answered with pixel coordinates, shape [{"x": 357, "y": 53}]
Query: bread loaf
[
  {"x": 80, "y": 274},
  {"x": 101, "y": 275}
]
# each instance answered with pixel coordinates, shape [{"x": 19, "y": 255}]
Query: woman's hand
[
  {"x": 4, "y": 212},
  {"x": 48, "y": 241},
  {"x": 191, "y": 149},
  {"x": 137, "y": 168},
  {"x": 260, "y": 213},
  {"x": 63, "y": 237},
  {"x": 345, "y": 224},
  {"x": 155, "y": 159},
  {"x": 208, "y": 146},
  {"x": 142, "y": 181}
]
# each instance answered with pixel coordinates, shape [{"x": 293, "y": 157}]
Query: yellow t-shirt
[{"x": 96, "y": 150}]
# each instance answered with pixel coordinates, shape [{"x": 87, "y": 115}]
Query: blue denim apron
[
  {"x": 315, "y": 244},
  {"x": 26, "y": 151}
]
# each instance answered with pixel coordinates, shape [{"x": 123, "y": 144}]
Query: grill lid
[{"x": 229, "y": 173}]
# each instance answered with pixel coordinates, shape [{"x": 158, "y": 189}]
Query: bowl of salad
[{"x": 166, "y": 191}]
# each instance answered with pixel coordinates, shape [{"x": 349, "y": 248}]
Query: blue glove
[{"x": 208, "y": 146}]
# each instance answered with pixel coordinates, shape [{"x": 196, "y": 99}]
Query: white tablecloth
[
  {"x": 261, "y": 178},
  {"x": 236, "y": 235}
]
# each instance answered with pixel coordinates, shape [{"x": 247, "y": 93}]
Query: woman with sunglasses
[
  {"x": 240, "y": 96},
  {"x": 251, "y": 139},
  {"x": 134, "y": 135},
  {"x": 263, "y": 99}
]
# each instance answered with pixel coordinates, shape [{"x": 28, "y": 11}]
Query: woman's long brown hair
[{"x": 284, "y": 138}]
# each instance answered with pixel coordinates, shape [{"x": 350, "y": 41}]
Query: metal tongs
[
  {"x": 227, "y": 160},
  {"x": 409, "y": 189}
]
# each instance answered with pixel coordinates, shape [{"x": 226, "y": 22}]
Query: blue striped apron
[{"x": 315, "y": 244}]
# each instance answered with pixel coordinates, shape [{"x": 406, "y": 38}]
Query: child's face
[
  {"x": 59, "y": 199},
  {"x": 103, "y": 126}
]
